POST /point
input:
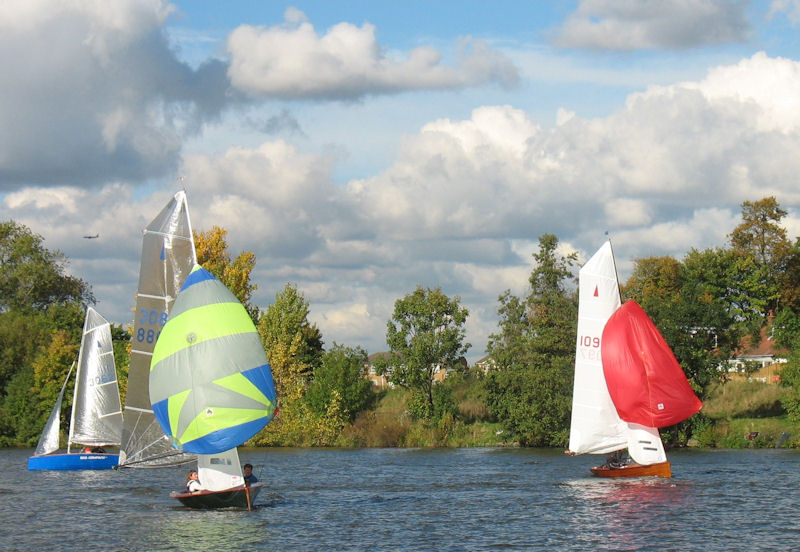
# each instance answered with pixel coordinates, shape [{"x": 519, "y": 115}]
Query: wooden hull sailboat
[
  {"x": 660, "y": 469},
  {"x": 211, "y": 387},
  {"x": 239, "y": 498},
  {"x": 627, "y": 381}
]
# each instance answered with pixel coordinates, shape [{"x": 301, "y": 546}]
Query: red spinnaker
[{"x": 645, "y": 381}]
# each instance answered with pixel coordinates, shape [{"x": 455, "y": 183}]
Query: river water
[{"x": 416, "y": 499}]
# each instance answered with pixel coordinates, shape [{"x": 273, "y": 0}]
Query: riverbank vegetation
[{"x": 708, "y": 306}]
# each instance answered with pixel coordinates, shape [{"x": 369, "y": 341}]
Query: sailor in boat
[
  {"x": 249, "y": 478},
  {"x": 192, "y": 483},
  {"x": 618, "y": 459}
]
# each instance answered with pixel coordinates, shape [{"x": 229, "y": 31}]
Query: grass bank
[{"x": 747, "y": 415}]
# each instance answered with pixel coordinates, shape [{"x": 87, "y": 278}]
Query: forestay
[
  {"x": 96, "y": 409},
  {"x": 168, "y": 254},
  {"x": 595, "y": 427}
]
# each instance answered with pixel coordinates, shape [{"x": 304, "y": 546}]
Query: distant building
[
  {"x": 381, "y": 381},
  {"x": 764, "y": 359},
  {"x": 485, "y": 364},
  {"x": 378, "y": 380}
]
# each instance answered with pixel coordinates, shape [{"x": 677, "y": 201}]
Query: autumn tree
[
  {"x": 530, "y": 390},
  {"x": 426, "y": 332},
  {"x": 213, "y": 255}
]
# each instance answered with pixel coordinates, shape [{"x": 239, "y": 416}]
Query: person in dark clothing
[{"x": 249, "y": 478}]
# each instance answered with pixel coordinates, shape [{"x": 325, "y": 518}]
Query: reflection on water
[
  {"x": 410, "y": 499},
  {"x": 625, "y": 511}
]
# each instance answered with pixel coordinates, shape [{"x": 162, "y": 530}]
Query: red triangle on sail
[
  {"x": 645, "y": 381},
  {"x": 595, "y": 291}
]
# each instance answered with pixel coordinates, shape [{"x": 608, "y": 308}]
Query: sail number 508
[{"x": 589, "y": 341}]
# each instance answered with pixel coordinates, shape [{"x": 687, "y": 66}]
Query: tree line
[{"x": 705, "y": 305}]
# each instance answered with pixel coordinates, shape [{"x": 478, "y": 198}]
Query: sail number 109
[{"x": 589, "y": 341}]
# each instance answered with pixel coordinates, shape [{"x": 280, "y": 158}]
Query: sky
[{"x": 361, "y": 149}]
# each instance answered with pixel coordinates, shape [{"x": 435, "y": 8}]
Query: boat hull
[
  {"x": 74, "y": 461},
  {"x": 661, "y": 469},
  {"x": 239, "y": 497}
]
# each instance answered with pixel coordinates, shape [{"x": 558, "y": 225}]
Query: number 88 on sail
[{"x": 153, "y": 318}]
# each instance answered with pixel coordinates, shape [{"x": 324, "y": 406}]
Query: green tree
[
  {"x": 531, "y": 388},
  {"x": 761, "y": 237},
  {"x": 33, "y": 277},
  {"x": 426, "y": 331},
  {"x": 294, "y": 349},
  {"x": 341, "y": 377},
  {"x": 695, "y": 304},
  {"x": 294, "y": 345},
  {"x": 37, "y": 300},
  {"x": 789, "y": 279}
]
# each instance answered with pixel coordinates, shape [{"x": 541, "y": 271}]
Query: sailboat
[
  {"x": 168, "y": 255},
  {"x": 96, "y": 419},
  {"x": 627, "y": 381},
  {"x": 211, "y": 387}
]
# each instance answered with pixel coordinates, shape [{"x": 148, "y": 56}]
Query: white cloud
[
  {"x": 653, "y": 24},
  {"x": 347, "y": 62},
  {"x": 463, "y": 203},
  {"x": 790, "y": 7},
  {"x": 92, "y": 92}
]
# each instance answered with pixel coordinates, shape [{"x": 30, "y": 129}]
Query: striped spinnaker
[{"x": 211, "y": 385}]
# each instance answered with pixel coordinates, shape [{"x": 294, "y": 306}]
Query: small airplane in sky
[{"x": 92, "y": 237}]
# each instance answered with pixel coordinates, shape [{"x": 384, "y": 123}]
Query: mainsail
[
  {"x": 211, "y": 386},
  {"x": 596, "y": 427},
  {"x": 48, "y": 440},
  {"x": 645, "y": 381},
  {"x": 96, "y": 409},
  {"x": 168, "y": 254}
]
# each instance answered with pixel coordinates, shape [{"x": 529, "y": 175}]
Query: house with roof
[
  {"x": 381, "y": 381},
  {"x": 761, "y": 361}
]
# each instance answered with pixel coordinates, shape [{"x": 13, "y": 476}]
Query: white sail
[
  {"x": 48, "y": 440},
  {"x": 168, "y": 255},
  {"x": 596, "y": 427},
  {"x": 96, "y": 410},
  {"x": 644, "y": 445},
  {"x": 219, "y": 472}
]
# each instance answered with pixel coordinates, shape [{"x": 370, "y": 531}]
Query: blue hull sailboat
[{"x": 96, "y": 419}]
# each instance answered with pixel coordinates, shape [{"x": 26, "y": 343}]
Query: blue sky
[{"x": 363, "y": 148}]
